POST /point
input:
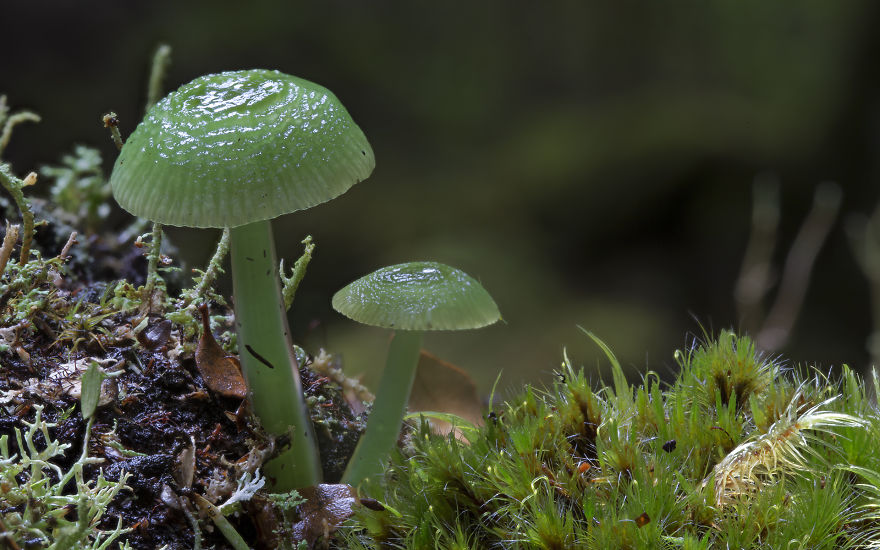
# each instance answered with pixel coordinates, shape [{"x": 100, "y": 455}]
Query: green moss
[{"x": 736, "y": 452}]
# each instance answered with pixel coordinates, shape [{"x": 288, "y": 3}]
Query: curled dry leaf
[
  {"x": 442, "y": 387},
  {"x": 186, "y": 465},
  {"x": 221, "y": 373}
]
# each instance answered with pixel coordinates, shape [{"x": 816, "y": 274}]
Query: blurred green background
[{"x": 590, "y": 163}]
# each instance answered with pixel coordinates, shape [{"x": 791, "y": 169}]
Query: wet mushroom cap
[
  {"x": 417, "y": 296},
  {"x": 238, "y": 147}
]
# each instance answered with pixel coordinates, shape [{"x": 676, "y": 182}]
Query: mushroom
[
  {"x": 409, "y": 298},
  {"x": 235, "y": 150}
]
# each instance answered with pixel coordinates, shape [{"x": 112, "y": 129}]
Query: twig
[
  {"x": 214, "y": 267},
  {"x": 226, "y": 529},
  {"x": 193, "y": 521},
  {"x": 798, "y": 267},
  {"x": 111, "y": 121},
  {"x": 14, "y": 186},
  {"x": 161, "y": 61},
  {"x": 756, "y": 273},
  {"x": 9, "y": 241},
  {"x": 27, "y": 218},
  {"x": 11, "y": 122},
  {"x": 153, "y": 259},
  {"x": 65, "y": 250},
  {"x": 864, "y": 238}
]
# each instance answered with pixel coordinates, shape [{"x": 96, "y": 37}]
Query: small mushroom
[
  {"x": 237, "y": 149},
  {"x": 410, "y": 298}
]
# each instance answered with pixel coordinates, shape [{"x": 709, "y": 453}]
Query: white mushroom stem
[{"x": 267, "y": 358}]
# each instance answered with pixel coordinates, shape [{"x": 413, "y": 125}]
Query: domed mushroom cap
[
  {"x": 417, "y": 296},
  {"x": 238, "y": 147}
]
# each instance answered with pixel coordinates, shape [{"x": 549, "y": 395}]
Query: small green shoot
[
  {"x": 290, "y": 284},
  {"x": 91, "y": 389}
]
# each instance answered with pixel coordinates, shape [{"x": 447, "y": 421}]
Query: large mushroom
[
  {"x": 410, "y": 298},
  {"x": 235, "y": 150}
]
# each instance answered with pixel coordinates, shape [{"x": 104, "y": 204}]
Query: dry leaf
[
  {"x": 326, "y": 507},
  {"x": 442, "y": 387},
  {"x": 221, "y": 373},
  {"x": 155, "y": 335},
  {"x": 186, "y": 465}
]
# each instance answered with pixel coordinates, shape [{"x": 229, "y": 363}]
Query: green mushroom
[
  {"x": 235, "y": 150},
  {"x": 409, "y": 298}
]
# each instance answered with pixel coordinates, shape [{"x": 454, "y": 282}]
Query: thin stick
[
  {"x": 9, "y": 241},
  {"x": 863, "y": 237},
  {"x": 214, "y": 266},
  {"x": 755, "y": 275},
  {"x": 798, "y": 267},
  {"x": 153, "y": 259},
  {"x": 65, "y": 250},
  {"x": 11, "y": 122},
  {"x": 27, "y": 218},
  {"x": 161, "y": 61},
  {"x": 111, "y": 121},
  {"x": 14, "y": 186}
]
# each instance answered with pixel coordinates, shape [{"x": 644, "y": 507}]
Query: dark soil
[{"x": 159, "y": 412}]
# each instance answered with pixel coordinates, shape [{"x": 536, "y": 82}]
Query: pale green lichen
[
  {"x": 291, "y": 283},
  {"x": 38, "y": 503},
  {"x": 79, "y": 188}
]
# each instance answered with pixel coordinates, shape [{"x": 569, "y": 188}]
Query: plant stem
[
  {"x": 153, "y": 260},
  {"x": 263, "y": 340},
  {"x": 210, "y": 274},
  {"x": 290, "y": 284},
  {"x": 389, "y": 407},
  {"x": 161, "y": 61},
  {"x": 9, "y": 241}
]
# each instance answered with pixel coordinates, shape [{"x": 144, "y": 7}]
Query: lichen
[{"x": 38, "y": 508}]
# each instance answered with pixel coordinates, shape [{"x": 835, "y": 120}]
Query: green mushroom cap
[
  {"x": 417, "y": 296},
  {"x": 238, "y": 147}
]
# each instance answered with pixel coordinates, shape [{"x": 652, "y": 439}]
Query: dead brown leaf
[
  {"x": 327, "y": 506},
  {"x": 442, "y": 387},
  {"x": 221, "y": 372},
  {"x": 155, "y": 335}
]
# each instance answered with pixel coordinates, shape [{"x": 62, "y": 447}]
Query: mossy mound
[{"x": 737, "y": 452}]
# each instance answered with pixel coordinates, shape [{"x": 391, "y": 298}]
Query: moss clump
[{"x": 738, "y": 452}]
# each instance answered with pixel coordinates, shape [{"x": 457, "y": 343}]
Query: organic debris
[
  {"x": 326, "y": 507},
  {"x": 220, "y": 371},
  {"x": 442, "y": 387},
  {"x": 161, "y": 428}
]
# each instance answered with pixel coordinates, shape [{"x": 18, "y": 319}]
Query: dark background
[{"x": 590, "y": 163}]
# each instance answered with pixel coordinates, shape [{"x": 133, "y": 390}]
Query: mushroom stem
[
  {"x": 389, "y": 407},
  {"x": 266, "y": 355}
]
